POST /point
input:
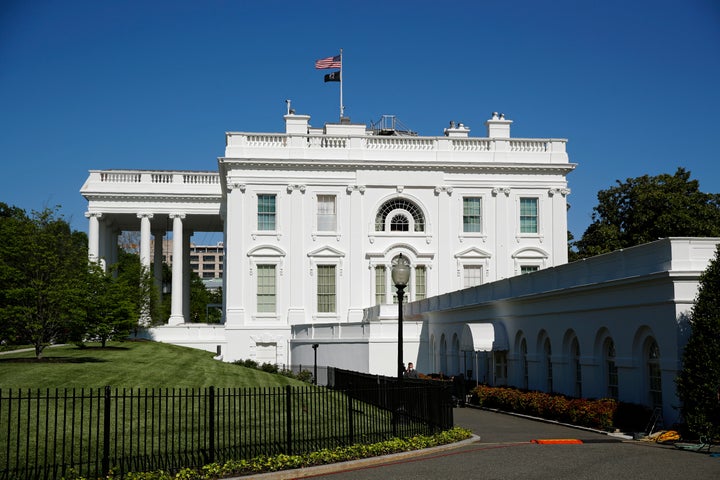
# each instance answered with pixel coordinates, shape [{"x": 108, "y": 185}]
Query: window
[
  {"x": 208, "y": 266},
  {"x": 548, "y": 365},
  {"x": 612, "y": 371},
  {"x": 266, "y": 289},
  {"x": 524, "y": 361},
  {"x": 528, "y": 269},
  {"x": 472, "y": 214},
  {"x": 402, "y": 211},
  {"x": 380, "y": 284},
  {"x": 399, "y": 223},
  {"x": 654, "y": 375},
  {"x": 420, "y": 282},
  {"x": 326, "y": 288},
  {"x": 528, "y": 215},
  {"x": 575, "y": 352},
  {"x": 472, "y": 275},
  {"x": 266, "y": 212},
  {"x": 500, "y": 367},
  {"x": 326, "y": 213}
]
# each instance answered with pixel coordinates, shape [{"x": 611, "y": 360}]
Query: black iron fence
[{"x": 48, "y": 434}]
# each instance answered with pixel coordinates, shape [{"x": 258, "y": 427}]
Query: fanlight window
[{"x": 400, "y": 212}]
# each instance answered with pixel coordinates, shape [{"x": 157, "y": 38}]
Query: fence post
[
  {"x": 288, "y": 419},
  {"x": 211, "y": 429},
  {"x": 106, "y": 434},
  {"x": 351, "y": 424}
]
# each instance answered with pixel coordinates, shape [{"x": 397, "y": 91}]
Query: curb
[
  {"x": 353, "y": 464},
  {"x": 622, "y": 436}
]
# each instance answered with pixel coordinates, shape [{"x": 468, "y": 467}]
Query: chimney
[
  {"x": 296, "y": 124},
  {"x": 497, "y": 126},
  {"x": 457, "y": 131}
]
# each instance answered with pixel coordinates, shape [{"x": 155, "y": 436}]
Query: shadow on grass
[
  {"x": 98, "y": 348},
  {"x": 53, "y": 360}
]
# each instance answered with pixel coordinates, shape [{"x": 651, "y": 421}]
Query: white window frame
[
  {"x": 462, "y": 216},
  {"x": 257, "y": 288},
  {"x": 472, "y": 266},
  {"x": 333, "y": 313},
  {"x": 538, "y": 207},
  {"x": 264, "y": 233},
  {"x": 336, "y": 214}
]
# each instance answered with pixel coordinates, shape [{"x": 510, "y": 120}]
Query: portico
[{"x": 156, "y": 204}]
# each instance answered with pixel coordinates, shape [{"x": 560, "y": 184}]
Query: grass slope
[{"x": 132, "y": 364}]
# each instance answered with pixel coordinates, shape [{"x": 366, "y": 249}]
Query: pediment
[
  {"x": 266, "y": 251},
  {"x": 326, "y": 252},
  {"x": 473, "y": 252},
  {"x": 530, "y": 252}
]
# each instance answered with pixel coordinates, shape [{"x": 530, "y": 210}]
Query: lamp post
[
  {"x": 315, "y": 346},
  {"x": 400, "y": 276}
]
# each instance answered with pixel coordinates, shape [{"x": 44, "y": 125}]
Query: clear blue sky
[{"x": 88, "y": 84}]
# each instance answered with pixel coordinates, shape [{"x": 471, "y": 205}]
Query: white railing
[
  {"x": 120, "y": 177},
  {"x": 532, "y": 146},
  {"x": 201, "y": 178},
  {"x": 400, "y": 143},
  {"x": 397, "y": 143},
  {"x": 188, "y": 178},
  {"x": 266, "y": 140},
  {"x": 471, "y": 144}
]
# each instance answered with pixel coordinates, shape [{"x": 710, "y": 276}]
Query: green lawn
[{"x": 131, "y": 364}]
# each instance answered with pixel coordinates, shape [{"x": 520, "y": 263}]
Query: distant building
[{"x": 205, "y": 260}]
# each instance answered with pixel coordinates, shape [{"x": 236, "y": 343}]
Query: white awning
[{"x": 483, "y": 337}]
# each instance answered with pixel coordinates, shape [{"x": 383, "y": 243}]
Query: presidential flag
[
  {"x": 329, "y": 62},
  {"x": 333, "y": 77}
]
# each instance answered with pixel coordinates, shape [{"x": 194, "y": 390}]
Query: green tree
[
  {"x": 111, "y": 313},
  {"x": 42, "y": 267},
  {"x": 698, "y": 385},
  {"x": 647, "y": 208}
]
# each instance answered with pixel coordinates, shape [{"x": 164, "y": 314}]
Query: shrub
[
  {"x": 588, "y": 413},
  {"x": 275, "y": 463}
]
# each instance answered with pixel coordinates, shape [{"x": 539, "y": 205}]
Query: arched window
[
  {"x": 611, "y": 369},
  {"x": 654, "y": 375},
  {"x": 402, "y": 215},
  {"x": 524, "y": 363},
  {"x": 577, "y": 370}
]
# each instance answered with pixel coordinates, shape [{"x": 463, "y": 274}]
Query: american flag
[{"x": 329, "y": 62}]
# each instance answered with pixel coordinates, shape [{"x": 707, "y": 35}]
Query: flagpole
[{"x": 342, "y": 108}]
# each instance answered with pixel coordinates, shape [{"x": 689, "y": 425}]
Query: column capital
[
  {"x": 181, "y": 216},
  {"x": 443, "y": 188},
  {"x": 298, "y": 187},
  {"x": 145, "y": 215},
  {"x": 497, "y": 190},
  {"x": 356, "y": 188},
  {"x": 236, "y": 185},
  {"x": 93, "y": 215}
]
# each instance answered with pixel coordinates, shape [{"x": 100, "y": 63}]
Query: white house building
[{"x": 313, "y": 219}]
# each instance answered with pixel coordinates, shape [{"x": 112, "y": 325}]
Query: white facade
[{"x": 314, "y": 218}]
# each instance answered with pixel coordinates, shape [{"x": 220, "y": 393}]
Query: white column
[
  {"x": 93, "y": 235},
  {"x": 176, "y": 304},
  {"x": 357, "y": 274},
  {"x": 158, "y": 261},
  {"x": 235, "y": 262},
  {"x": 186, "y": 274},
  {"x": 145, "y": 239}
]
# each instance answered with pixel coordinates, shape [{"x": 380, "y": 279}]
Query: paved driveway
[{"x": 505, "y": 451}]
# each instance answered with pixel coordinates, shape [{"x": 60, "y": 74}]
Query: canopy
[{"x": 483, "y": 337}]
